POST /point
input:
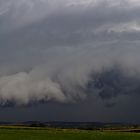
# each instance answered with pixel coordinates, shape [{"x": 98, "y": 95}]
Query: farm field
[{"x": 63, "y": 134}]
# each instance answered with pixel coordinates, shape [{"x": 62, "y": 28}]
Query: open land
[{"x": 41, "y": 133}]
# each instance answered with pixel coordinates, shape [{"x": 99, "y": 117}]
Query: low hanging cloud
[{"x": 64, "y": 51}]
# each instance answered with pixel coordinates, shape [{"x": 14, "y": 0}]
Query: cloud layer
[{"x": 66, "y": 50}]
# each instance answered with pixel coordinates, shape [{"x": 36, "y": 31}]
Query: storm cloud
[{"x": 66, "y": 51}]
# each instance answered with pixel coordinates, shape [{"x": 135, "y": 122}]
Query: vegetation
[{"x": 25, "y": 133}]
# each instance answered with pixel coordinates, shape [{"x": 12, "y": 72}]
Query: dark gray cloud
[{"x": 69, "y": 51}]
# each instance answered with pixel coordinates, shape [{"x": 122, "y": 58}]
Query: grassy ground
[{"x": 53, "y": 134}]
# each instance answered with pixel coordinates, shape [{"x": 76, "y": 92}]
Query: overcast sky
[{"x": 70, "y": 60}]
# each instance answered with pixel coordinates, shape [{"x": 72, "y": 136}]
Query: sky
[{"x": 70, "y": 60}]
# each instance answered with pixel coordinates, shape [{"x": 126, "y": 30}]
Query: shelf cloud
[{"x": 68, "y": 50}]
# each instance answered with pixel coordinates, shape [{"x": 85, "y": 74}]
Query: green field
[{"x": 58, "y": 134}]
